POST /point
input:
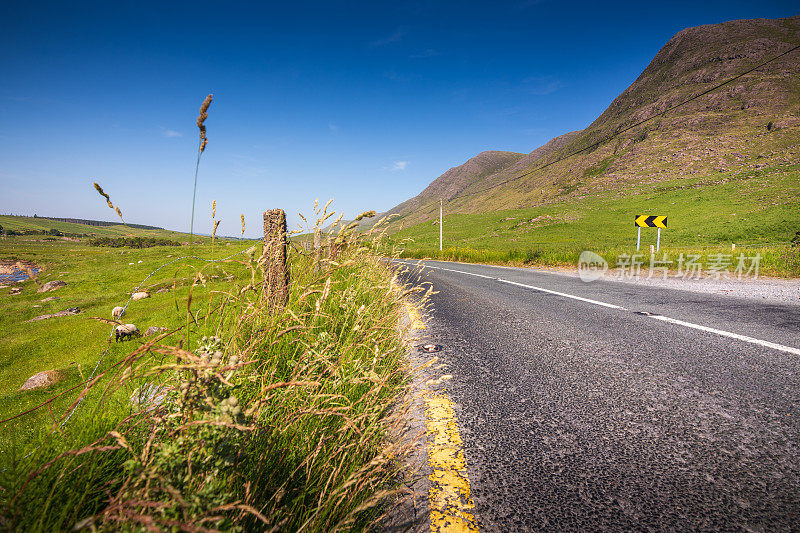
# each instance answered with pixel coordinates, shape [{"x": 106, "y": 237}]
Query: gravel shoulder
[{"x": 762, "y": 288}]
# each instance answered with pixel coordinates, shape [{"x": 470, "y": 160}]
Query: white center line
[
  {"x": 723, "y": 333},
  {"x": 565, "y": 295}
]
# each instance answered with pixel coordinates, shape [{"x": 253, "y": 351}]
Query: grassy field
[
  {"x": 759, "y": 211},
  {"x": 21, "y": 223},
  {"x": 281, "y": 423}
]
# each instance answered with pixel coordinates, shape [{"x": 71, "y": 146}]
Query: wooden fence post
[
  {"x": 317, "y": 247},
  {"x": 276, "y": 271}
]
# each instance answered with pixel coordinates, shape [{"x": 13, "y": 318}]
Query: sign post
[
  {"x": 649, "y": 221},
  {"x": 441, "y": 221}
]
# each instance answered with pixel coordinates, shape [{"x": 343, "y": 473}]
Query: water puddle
[{"x": 15, "y": 272}]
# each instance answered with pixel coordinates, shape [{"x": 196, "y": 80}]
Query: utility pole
[{"x": 441, "y": 221}]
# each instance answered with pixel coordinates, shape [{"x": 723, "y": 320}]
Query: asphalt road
[{"x": 578, "y": 416}]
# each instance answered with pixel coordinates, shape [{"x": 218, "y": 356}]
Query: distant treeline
[
  {"x": 54, "y": 232},
  {"x": 132, "y": 242},
  {"x": 97, "y": 222}
]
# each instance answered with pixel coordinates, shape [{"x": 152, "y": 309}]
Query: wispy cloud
[
  {"x": 399, "y": 165},
  {"x": 430, "y": 52},
  {"x": 397, "y": 76},
  {"x": 395, "y": 37},
  {"x": 541, "y": 85},
  {"x": 170, "y": 133}
]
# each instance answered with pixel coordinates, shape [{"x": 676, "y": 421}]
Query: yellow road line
[{"x": 450, "y": 502}]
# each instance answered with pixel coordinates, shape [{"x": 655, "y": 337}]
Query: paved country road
[{"x": 585, "y": 409}]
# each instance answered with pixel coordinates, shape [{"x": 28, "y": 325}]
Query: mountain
[
  {"x": 661, "y": 127},
  {"x": 459, "y": 178}
]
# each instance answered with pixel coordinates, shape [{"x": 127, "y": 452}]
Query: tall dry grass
[{"x": 272, "y": 421}]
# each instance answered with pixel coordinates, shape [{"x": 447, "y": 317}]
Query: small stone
[
  {"x": 140, "y": 296},
  {"x": 50, "y": 299},
  {"x": 52, "y": 285},
  {"x": 140, "y": 261},
  {"x": 163, "y": 289},
  {"x": 42, "y": 379},
  {"x": 37, "y": 306},
  {"x": 15, "y": 290},
  {"x": 66, "y": 312},
  {"x": 154, "y": 330}
]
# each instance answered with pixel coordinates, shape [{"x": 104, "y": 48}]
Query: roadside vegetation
[
  {"x": 755, "y": 211},
  {"x": 234, "y": 417}
]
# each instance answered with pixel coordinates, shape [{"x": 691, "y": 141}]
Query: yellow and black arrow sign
[{"x": 650, "y": 221}]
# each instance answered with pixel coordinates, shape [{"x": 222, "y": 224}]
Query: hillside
[
  {"x": 457, "y": 179},
  {"x": 750, "y": 124},
  {"x": 43, "y": 224}
]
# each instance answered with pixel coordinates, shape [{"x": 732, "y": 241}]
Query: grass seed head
[
  {"x": 201, "y": 119},
  {"x": 242, "y": 215}
]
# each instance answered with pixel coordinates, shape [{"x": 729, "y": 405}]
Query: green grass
[
  {"x": 318, "y": 457},
  {"x": 98, "y": 279},
  {"x": 20, "y": 223},
  {"x": 756, "y": 210}
]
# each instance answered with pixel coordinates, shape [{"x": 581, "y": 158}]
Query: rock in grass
[
  {"x": 52, "y": 285},
  {"x": 15, "y": 290},
  {"x": 42, "y": 379},
  {"x": 140, "y": 296},
  {"x": 50, "y": 299},
  {"x": 66, "y": 312},
  {"x": 154, "y": 330}
]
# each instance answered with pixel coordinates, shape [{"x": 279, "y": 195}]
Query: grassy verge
[
  {"x": 755, "y": 210},
  {"x": 235, "y": 418},
  {"x": 779, "y": 261}
]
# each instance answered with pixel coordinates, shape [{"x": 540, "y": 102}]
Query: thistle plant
[{"x": 200, "y": 426}]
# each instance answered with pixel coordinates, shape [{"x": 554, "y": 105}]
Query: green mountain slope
[{"x": 749, "y": 125}]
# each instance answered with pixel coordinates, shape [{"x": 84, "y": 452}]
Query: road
[{"x": 615, "y": 407}]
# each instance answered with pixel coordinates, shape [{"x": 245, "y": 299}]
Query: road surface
[{"x": 613, "y": 407}]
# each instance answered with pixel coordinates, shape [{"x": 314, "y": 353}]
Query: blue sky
[{"x": 363, "y": 102}]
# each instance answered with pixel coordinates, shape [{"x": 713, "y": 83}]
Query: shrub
[{"x": 132, "y": 242}]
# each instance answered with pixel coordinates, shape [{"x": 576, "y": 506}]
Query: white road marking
[
  {"x": 723, "y": 333},
  {"x": 461, "y": 272},
  {"x": 564, "y": 294}
]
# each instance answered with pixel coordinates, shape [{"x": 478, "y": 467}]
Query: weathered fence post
[
  {"x": 317, "y": 247},
  {"x": 276, "y": 271}
]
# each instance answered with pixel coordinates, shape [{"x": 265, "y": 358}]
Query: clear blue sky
[{"x": 364, "y": 102}]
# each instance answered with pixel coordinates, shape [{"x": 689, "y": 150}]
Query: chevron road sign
[{"x": 649, "y": 221}]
